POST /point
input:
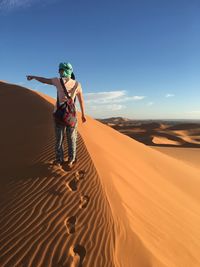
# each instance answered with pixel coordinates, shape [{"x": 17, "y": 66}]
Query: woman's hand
[
  {"x": 29, "y": 77},
  {"x": 83, "y": 118}
]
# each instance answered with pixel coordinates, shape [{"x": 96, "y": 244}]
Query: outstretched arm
[
  {"x": 39, "y": 79},
  {"x": 80, "y": 98}
]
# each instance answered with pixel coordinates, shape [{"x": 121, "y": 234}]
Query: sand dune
[
  {"x": 189, "y": 156},
  {"x": 124, "y": 204},
  {"x": 164, "y": 140}
]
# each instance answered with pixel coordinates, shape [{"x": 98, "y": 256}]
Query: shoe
[{"x": 72, "y": 163}]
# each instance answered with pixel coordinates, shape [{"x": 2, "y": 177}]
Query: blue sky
[{"x": 138, "y": 59}]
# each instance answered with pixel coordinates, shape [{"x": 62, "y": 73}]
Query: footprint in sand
[
  {"x": 80, "y": 175},
  {"x": 73, "y": 184},
  {"x": 84, "y": 201},
  {"x": 70, "y": 224},
  {"x": 78, "y": 253}
]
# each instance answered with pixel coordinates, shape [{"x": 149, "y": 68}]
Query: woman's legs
[
  {"x": 59, "y": 132},
  {"x": 71, "y": 140}
]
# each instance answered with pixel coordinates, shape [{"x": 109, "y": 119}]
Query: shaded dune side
[{"x": 48, "y": 216}]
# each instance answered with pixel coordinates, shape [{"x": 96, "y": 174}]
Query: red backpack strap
[
  {"x": 63, "y": 86},
  {"x": 65, "y": 90}
]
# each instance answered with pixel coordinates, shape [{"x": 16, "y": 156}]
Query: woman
[{"x": 73, "y": 89}]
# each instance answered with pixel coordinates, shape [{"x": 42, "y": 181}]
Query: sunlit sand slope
[{"x": 155, "y": 200}]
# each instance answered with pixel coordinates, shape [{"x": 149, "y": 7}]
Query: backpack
[{"x": 65, "y": 114}]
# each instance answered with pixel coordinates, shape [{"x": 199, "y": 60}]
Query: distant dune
[
  {"x": 123, "y": 205},
  {"x": 165, "y": 133}
]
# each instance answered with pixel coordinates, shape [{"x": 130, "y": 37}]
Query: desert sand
[
  {"x": 190, "y": 156},
  {"x": 124, "y": 204}
]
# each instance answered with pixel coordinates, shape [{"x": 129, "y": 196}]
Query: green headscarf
[{"x": 67, "y": 67}]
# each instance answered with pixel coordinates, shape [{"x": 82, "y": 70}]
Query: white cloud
[
  {"x": 110, "y": 97},
  {"x": 136, "y": 97},
  {"x": 14, "y": 4},
  {"x": 111, "y": 103},
  {"x": 111, "y": 107},
  {"x": 10, "y": 4},
  {"x": 103, "y": 97},
  {"x": 169, "y": 95},
  {"x": 115, "y": 107}
]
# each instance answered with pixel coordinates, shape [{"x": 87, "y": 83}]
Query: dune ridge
[{"x": 48, "y": 216}]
